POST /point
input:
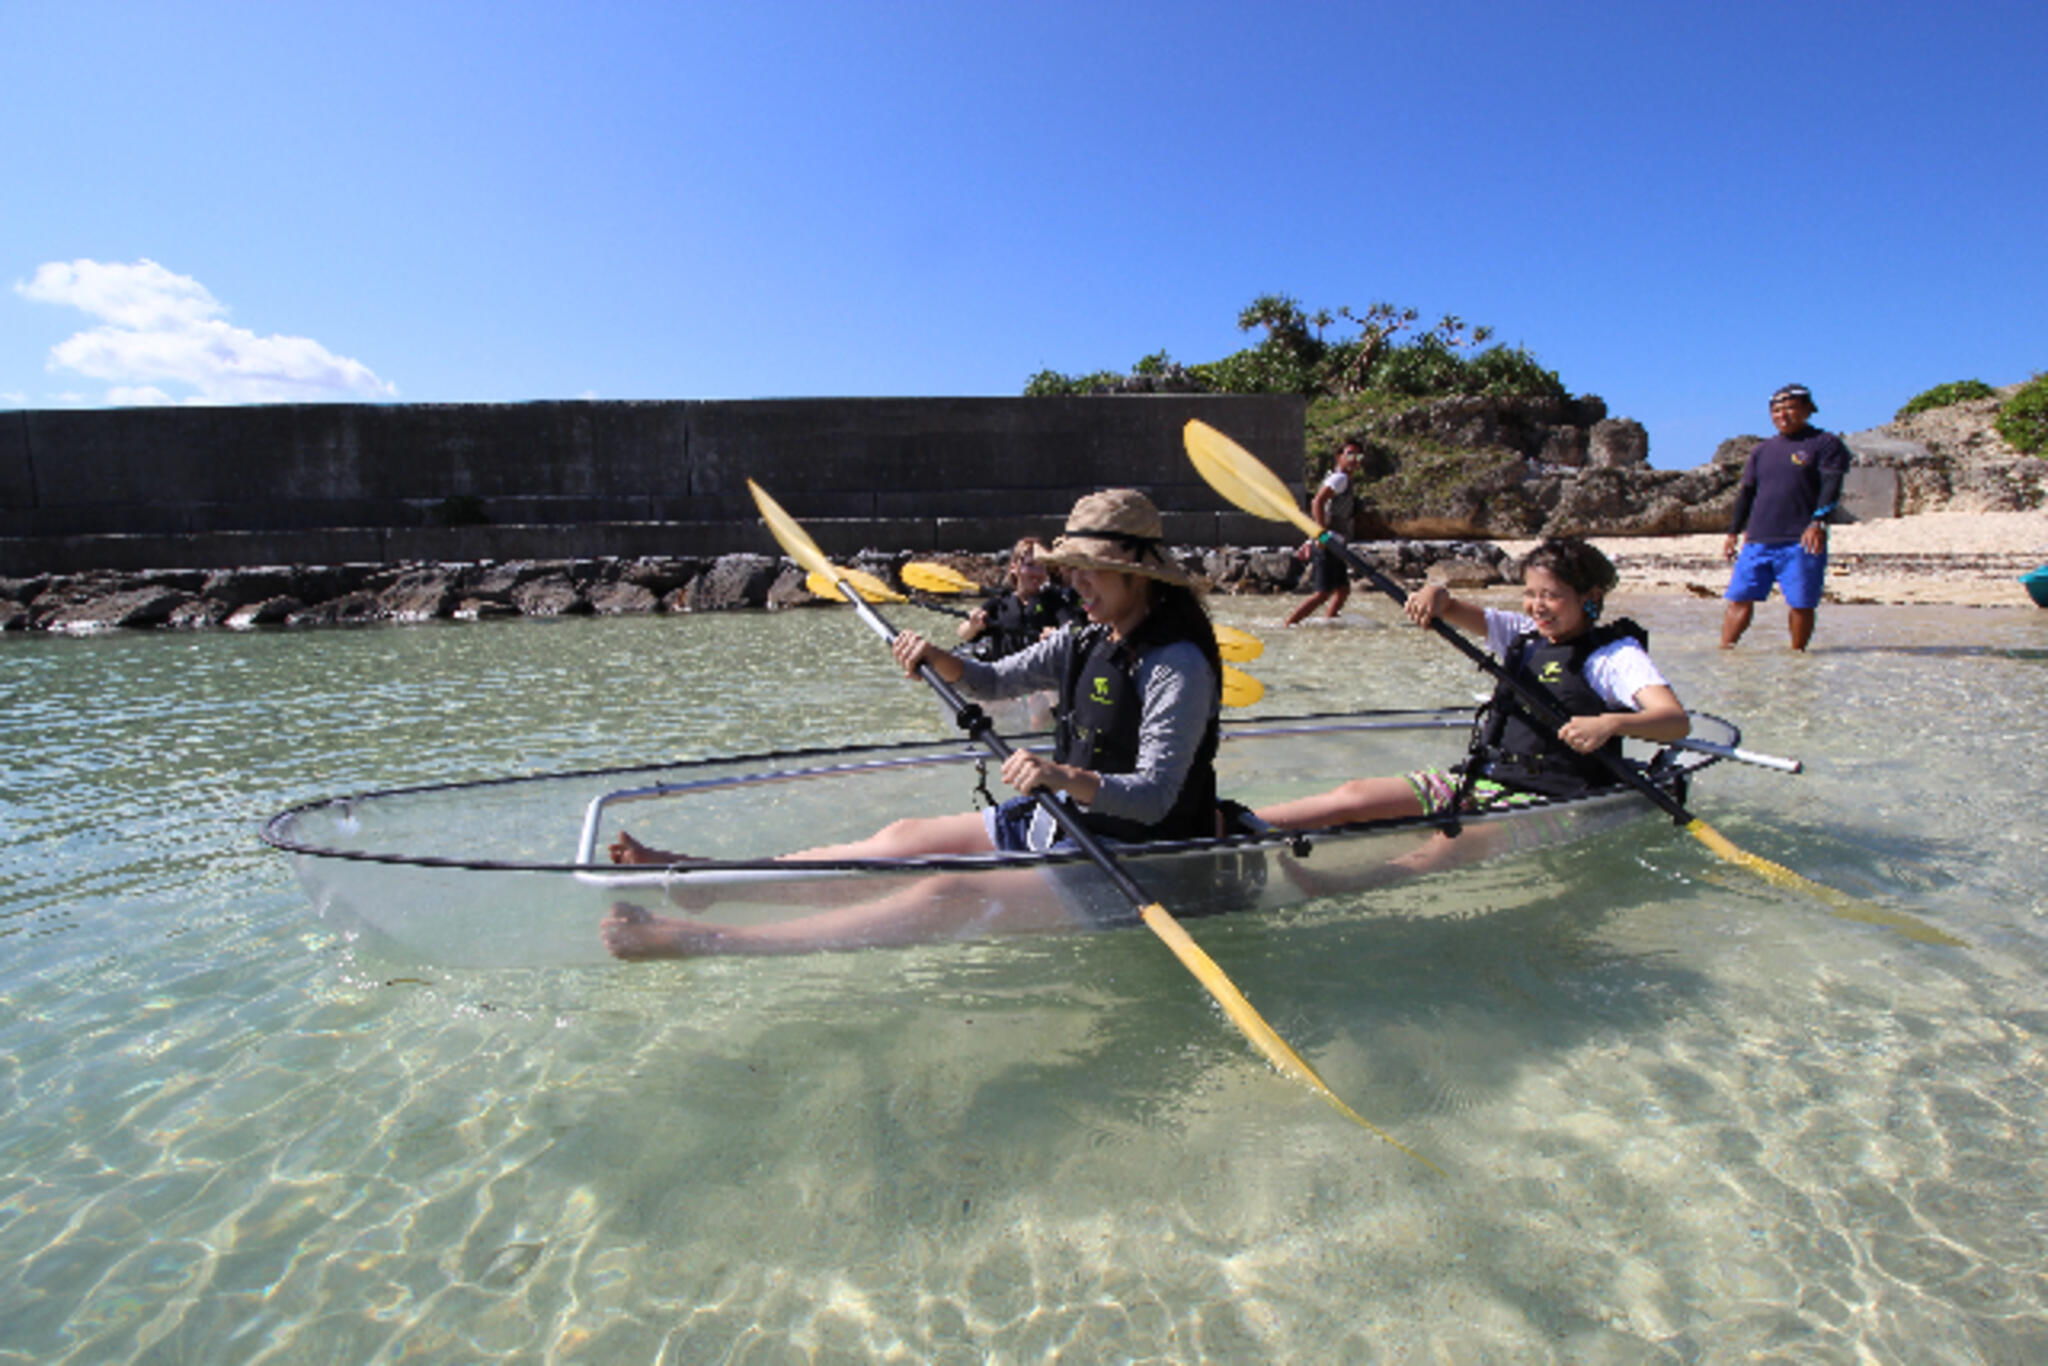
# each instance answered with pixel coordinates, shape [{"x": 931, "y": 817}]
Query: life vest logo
[
  {"x": 1099, "y": 690},
  {"x": 1551, "y": 672},
  {"x": 1800, "y": 457}
]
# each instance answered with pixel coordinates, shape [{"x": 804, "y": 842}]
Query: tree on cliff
[{"x": 1298, "y": 356}]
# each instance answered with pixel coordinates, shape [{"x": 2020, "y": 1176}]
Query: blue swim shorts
[{"x": 1797, "y": 574}]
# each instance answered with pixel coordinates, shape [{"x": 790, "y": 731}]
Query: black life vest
[
  {"x": 1512, "y": 746},
  {"x": 1015, "y": 623},
  {"x": 1100, "y": 711}
]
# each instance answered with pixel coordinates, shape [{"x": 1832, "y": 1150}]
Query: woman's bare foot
[
  {"x": 626, "y": 849},
  {"x": 633, "y": 932}
]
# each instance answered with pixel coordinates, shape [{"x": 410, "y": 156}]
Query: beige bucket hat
[{"x": 1117, "y": 530}]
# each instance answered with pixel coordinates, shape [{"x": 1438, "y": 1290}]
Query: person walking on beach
[
  {"x": 1790, "y": 483},
  {"x": 1332, "y": 507}
]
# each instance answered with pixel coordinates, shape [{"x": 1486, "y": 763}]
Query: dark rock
[
  {"x": 24, "y": 590},
  {"x": 550, "y": 594},
  {"x": 240, "y": 587},
  {"x": 1735, "y": 450},
  {"x": 1565, "y": 445},
  {"x": 621, "y": 598},
  {"x": 357, "y": 608},
  {"x": 197, "y": 613},
  {"x": 733, "y": 581},
  {"x": 13, "y": 615},
  {"x": 422, "y": 593},
  {"x": 483, "y": 609},
  {"x": 788, "y": 590},
  {"x": 131, "y": 607},
  {"x": 1616, "y": 443},
  {"x": 660, "y": 575},
  {"x": 269, "y": 612}
]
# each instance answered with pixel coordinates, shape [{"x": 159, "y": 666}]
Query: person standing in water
[
  {"x": 1335, "y": 502},
  {"x": 1790, "y": 483}
]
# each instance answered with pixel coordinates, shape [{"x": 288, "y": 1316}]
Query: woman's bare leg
[
  {"x": 912, "y": 837},
  {"x": 932, "y": 908},
  {"x": 1361, "y": 799}
]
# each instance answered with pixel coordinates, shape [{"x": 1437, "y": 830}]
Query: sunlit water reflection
[{"x": 1686, "y": 1116}]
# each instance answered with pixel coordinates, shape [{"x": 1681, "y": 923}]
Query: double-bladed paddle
[
  {"x": 1237, "y": 474},
  {"x": 797, "y": 544}
]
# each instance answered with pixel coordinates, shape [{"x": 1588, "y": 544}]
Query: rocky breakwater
[
  {"x": 335, "y": 595},
  {"x": 343, "y": 595}
]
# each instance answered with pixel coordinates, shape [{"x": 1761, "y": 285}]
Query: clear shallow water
[{"x": 1686, "y": 1116}]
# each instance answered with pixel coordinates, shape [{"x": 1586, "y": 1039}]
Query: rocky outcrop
[
  {"x": 1952, "y": 459},
  {"x": 1482, "y": 467}
]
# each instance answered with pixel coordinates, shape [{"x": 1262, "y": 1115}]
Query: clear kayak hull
[{"x": 513, "y": 871}]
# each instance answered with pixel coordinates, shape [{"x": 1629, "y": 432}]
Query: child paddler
[
  {"x": 1600, "y": 676},
  {"x": 1029, "y": 605},
  {"x": 1139, "y": 690}
]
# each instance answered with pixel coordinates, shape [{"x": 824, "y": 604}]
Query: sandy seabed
[{"x": 1971, "y": 559}]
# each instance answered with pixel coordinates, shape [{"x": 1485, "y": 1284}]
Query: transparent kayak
[{"x": 515, "y": 872}]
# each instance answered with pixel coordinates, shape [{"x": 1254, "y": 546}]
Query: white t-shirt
[{"x": 1618, "y": 671}]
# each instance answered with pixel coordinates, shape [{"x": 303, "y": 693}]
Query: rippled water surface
[{"x": 1685, "y": 1115}]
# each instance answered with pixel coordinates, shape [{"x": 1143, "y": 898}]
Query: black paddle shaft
[{"x": 1542, "y": 706}]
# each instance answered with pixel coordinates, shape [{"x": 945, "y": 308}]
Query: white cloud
[{"x": 158, "y": 328}]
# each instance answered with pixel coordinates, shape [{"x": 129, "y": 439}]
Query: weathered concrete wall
[{"x": 218, "y": 487}]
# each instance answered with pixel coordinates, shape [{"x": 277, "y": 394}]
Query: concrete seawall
[{"x": 140, "y": 488}]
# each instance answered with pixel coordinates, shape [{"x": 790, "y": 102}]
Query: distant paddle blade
[
  {"x": 870, "y": 587},
  {"x": 1240, "y": 647},
  {"x": 1240, "y": 689},
  {"x": 823, "y": 587},
  {"x": 1237, "y": 474},
  {"x": 928, "y": 577},
  {"x": 867, "y": 585}
]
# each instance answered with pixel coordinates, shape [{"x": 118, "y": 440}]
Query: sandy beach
[{"x": 1971, "y": 559}]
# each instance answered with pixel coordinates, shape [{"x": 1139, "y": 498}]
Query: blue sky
[{"x": 1677, "y": 207}]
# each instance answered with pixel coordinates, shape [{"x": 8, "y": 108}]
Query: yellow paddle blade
[
  {"x": 798, "y": 545},
  {"x": 1241, "y": 646},
  {"x": 1844, "y": 905},
  {"x": 1240, "y": 689},
  {"x": 1237, "y": 474},
  {"x": 864, "y": 583},
  {"x": 1253, "y": 1025},
  {"x": 929, "y": 577}
]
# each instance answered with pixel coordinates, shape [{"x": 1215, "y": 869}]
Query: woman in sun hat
[{"x": 1139, "y": 689}]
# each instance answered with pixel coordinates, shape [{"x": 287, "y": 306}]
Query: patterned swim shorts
[{"x": 1437, "y": 788}]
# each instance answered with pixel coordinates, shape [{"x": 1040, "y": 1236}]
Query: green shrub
[
  {"x": 1942, "y": 395},
  {"x": 2023, "y": 418}
]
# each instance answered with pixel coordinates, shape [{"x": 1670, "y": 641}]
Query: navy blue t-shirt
[{"x": 1784, "y": 481}]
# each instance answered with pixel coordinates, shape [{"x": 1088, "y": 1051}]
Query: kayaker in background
[
  {"x": 1139, "y": 695},
  {"x": 1334, "y": 504},
  {"x": 1790, "y": 483},
  {"x": 1602, "y": 677},
  {"x": 1031, "y": 603}
]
